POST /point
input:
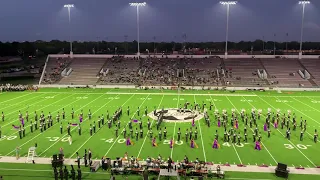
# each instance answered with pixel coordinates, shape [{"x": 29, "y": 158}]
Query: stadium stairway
[
  {"x": 84, "y": 71},
  {"x": 311, "y": 76},
  {"x": 261, "y": 64}
]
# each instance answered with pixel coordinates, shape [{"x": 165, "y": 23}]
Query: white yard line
[
  {"x": 265, "y": 147},
  {"x": 204, "y": 153},
  {"x": 99, "y": 128},
  {"x": 288, "y": 139},
  {"x": 126, "y": 125},
  {"x": 72, "y": 128},
  {"x": 175, "y": 124},
  {"x": 15, "y": 98},
  {"x": 161, "y": 93},
  {"x": 232, "y": 143},
  {"x": 19, "y": 103},
  {"x": 145, "y": 138},
  {"x": 10, "y": 123},
  {"x": 303, "y": 114},
  {"x": 45, "y": 131},
  {"x": 214, "y": 104},
  {"x": 38, "y": 109}
]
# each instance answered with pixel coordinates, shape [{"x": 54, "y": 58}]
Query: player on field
[
  {"x": 160, "y": 135},
  {"x": 124, "y": 132},
  {"x": 141, "y": 133},
  {"x": 116, "y": 130},
  {"x": 63, "y": 114},
  {"x": 165, "y": 133},
  {"x": 179, "y": 135},
  {"x": 288, "y": 133},
  {"x": 154, "y": 144},
  {"x": 150, "y": 133},
  {"x": 90, "y": 115},
  {"x": 61, "y": 130},
  {"x": 301, "y": 135},
  {"x": 315, "y": 136}
]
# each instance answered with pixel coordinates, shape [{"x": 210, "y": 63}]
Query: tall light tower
[
  {"x": 69, "y": 6},
  {"x": 138, "y": 28},
  {"x": 227, "y": 3},
  {"x": 303, "y": 3}
]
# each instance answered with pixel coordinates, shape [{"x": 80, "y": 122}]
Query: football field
[{"x": 104, "y": 142}]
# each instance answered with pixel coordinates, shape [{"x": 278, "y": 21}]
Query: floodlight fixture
[
  {"x": 135, "y": 4},
  {"x": 68, "y": 5},
  {"x": 304, "y": 2},
  {"x": 138, "y": 4},
  {"x": 228, "y": 2}
]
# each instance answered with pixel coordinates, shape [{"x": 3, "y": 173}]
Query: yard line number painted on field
[
  {"x": 9, "y": 138},
  {"x": 282, "y": 101},
  {"x": 300, "y": 146},
  {"x": 82, "y": 97},
  {"x": 215, "y": 100},
  {"x": 246, "y": 100},
  {"x": 180, "y": 99},
  {"x": 316, "y": 102},
  {"x": 145, "y": 98},
  {"x": 48, "y": 97},
  {"x": 236, "y": 144},
  {"x": 113, "y": 98},
  {"x": 54, "y": 139},
  {"x": 121, "y": 141}
]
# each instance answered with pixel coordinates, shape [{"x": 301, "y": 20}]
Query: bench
[{"x": 95, "y": 166}]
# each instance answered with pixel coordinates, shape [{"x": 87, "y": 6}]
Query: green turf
[{"x": 104, "y": 142}]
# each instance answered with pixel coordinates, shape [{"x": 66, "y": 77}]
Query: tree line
[{"x": 42, "y": 48}]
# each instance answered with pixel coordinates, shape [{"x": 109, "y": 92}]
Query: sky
[{"x": 166, "y": 20}]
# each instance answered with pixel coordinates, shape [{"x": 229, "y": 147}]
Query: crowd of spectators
[
  {"x": 162, "y": 71},
  {"x": 54, "y": 68},
  {"x": 120, "y": 70},
  {"x": 19, "y": 87}
]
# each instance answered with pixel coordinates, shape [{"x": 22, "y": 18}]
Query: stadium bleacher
[{"x": 84, "y": 71}]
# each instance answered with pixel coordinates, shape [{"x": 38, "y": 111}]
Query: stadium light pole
[
  {"x": 138, "y": 28},
  {"x": 227, "y": 3},
  {"x": 69, "y": 6},
  {"x": 303, "y": 3}
]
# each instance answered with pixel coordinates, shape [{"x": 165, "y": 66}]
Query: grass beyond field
[
  {"x": 40, "y": 172},
  {"x": 104, "y": 142}
]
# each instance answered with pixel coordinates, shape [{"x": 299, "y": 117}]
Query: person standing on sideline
[
  {"x": 169, "y": 164},
  {"x": 17, "y": 152}
]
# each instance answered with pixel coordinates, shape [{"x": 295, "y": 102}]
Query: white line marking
[
  {"x": 204, "y": 152},
  {"x": 15, "y": 98},
  {"x": 126, "y": 125},
  {"x": 175, "y": 123},
  {"x": 99, "y": 128},
  {"x": 39, "y": 133},
  {"x": 289, "y": 140},
  {"x": 153, "y": 93},
  {"x": 252, "y": 131},
  {"x": 10, "y": 123},
  {"x": 74, "y": 127},
  {"x": 148, "y": 130}
]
